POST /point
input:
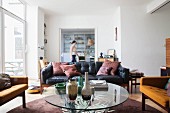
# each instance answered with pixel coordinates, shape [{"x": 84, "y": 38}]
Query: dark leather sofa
[{"x": 121, "y": 77}]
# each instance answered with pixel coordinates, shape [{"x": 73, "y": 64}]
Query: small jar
[{"x": 72, "y": 89}]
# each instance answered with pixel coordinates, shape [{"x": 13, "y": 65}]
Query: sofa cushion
[
  {"x": 12, "y": 92},
  {"x": 104, "y": 70},
  {"x": 98, "y": 65},
  {"x": 157, "y": 94},
  {"x": 56, "y": 79},
  {"x": 114, "y": 65},
  {"x": 70, "y": 70},
  {"x": 90, "y": 77},
  {"x": 92, "y": 68},
  {"x": 111, "y": 79},
  {"x": 83, "y": 67}
]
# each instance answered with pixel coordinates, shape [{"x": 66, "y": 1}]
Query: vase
[
  {"x": 80, "y": 84},
  {"x": 72, "y": 89},
  {"x": 86, "y": 90}
]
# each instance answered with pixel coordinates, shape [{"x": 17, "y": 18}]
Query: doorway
[{"x": 85, "y": 39}]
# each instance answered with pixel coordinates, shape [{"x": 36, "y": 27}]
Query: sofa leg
[
  {"x": 23, "y": 100},
  {"x": 143, "y": 102}
]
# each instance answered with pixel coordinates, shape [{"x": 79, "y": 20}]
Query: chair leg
[
  {"x": 128, "y": 87},
  {"x": 23, "y": 100},
  {"x": 143, "y": 102}
]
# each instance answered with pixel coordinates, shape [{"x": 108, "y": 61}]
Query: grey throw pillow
[{"x": 5, "y": 81}]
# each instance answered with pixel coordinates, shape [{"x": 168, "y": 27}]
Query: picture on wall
[{"x": 116, "y": 34}]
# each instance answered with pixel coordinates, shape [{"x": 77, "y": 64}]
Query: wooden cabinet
[
  {"x": 103, "y": 59},
  {"x": 168, "y": 52}
]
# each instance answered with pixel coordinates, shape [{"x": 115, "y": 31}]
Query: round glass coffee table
[{"x": 102, "y": 100}]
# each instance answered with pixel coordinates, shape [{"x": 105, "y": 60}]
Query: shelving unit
[{"x": 81, "y": 38}]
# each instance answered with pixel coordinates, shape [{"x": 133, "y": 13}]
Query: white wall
[
  {"x": 143, "y": 39},
  {"x": 35, "y": 39},
  {"x": 141, "y": 36},
  {"x": 117, "y": 23},
  {"x": 31, "y": 42},
  {"x": 40, "y": 32},
  {"x": 104, "y": 25}
]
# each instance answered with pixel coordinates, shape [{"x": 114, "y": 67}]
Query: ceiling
[{"x": 83, "y": 7}]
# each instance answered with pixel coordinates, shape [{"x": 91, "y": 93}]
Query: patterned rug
[{"x": 41, "y": 106}]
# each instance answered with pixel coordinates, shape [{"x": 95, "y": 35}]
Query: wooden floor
[{"x": 136, "y": 95}]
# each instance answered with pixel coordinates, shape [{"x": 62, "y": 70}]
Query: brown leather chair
[
  {"x": 19, "y": 85},
  {"x": 153, "y": 88}
]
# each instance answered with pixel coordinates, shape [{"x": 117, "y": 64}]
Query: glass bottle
[
  {"x": 80, "y": 84},
  {"x": 86, "y": 91}
]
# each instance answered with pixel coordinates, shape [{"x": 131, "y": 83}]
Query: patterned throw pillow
[
  {"x": 57, "y": 69},
  {"x": 114, "y": 65},
  {"x": 104, "y": 70},
  {"x": 5, "y": 81},
  {"x": 70, "y": 70}
]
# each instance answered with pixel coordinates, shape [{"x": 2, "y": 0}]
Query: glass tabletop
[{"x": 102, "y": 99}]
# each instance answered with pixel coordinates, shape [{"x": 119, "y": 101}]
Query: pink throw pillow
[
  {"x": 114, "y": 65},
  {"x": 70, "y": 70},
  {"x": 104, "y": 70},
  {"x": 57, "y": 69}
]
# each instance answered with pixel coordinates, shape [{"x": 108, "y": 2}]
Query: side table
[{"x": 133, "y": 78}]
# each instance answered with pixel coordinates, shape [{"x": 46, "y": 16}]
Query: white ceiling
[{"x": 83, "y": 7}]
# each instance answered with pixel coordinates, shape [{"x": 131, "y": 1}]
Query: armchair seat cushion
[
  {"x": 111, "y": 79},
  {"x": 157, "y": 94},
  {"x": 12, "y": 92}
]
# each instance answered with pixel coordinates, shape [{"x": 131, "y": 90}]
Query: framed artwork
[{"x": 116, "y": 34}]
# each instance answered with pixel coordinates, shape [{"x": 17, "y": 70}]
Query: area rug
[{"x": 41, "y": 106}]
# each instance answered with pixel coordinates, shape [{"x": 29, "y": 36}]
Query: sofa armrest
[
  {"x": 46, "y": 72},
  {"x": 18, "y": 80},
  {"x": 159, "y": 82},
  {"x": 124, "y": 73}
]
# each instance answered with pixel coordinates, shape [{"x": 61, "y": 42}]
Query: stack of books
[{"x": 99, "y": 84}]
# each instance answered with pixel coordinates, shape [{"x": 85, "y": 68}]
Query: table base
[{"x": 82, "y": 111}]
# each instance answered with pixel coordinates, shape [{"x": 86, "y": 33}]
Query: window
[
  {"x": 12, "y": 37},
  {"x": 14, "y": 6}
]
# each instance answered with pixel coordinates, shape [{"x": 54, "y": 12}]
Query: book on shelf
[{"x": 99, "y": 84}]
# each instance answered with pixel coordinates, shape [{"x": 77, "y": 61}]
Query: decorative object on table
[
  {"x": 101, "y": 55},
  {"x": 72, "y": 89},
  {"x": 80, "y": 84},
  {"x": 99, "y": 85},
  {"x": 111, "y": 53},
  {"x": 86, "y": 91},
  {"x": 61, "y": 87}
]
